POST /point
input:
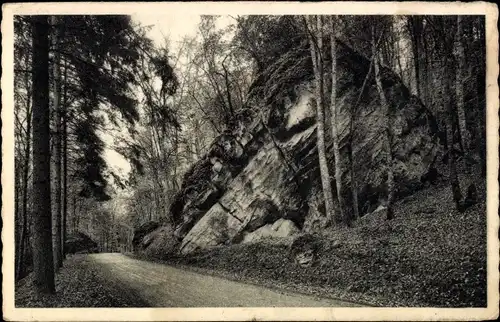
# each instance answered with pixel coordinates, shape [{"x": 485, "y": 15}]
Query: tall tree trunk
[
  {"x": 228, "y": 90},
  {"x": 56, "y": 215},
  {"x": 65, "y": 167},
  {"x": 333, "y": 113},
  {"x": 17, "y": 213},
  {"x": 426, "y": 70},
  {"x": 398, "y": 60},
  {"x": 450, "y": 130},
  {"x": 481, "y": 94},
  {"x": 176, "y": 158},
  {"x": 24, "y": 228},
  {"x": 415, "y": 27},
  {"x": 26, "y": 167},
  {"x": 43, "y": 261},
  {"x": 459, "y": 87},
  {"x": 354, "y": 182},
  {"x": 113, "y": 232},
  {"x": 387, "y": 130},
  {"x": 75, "y": 221},
  {"x": 316, "y": 41}
]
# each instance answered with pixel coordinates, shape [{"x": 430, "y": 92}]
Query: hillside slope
[{"x": 427, "y": 256}]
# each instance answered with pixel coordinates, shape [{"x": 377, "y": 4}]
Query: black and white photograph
[{"x": 192, "y": 158}]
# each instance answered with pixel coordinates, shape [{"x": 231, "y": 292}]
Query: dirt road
[{"x": 165, "y": 286}]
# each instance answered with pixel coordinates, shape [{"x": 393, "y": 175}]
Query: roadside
[
  {"x": 115, "y": 280},
  {"x": 259, "y": 282},
  {"x": 78, "y": 284},
  {"x": 429, "y": 255},
  {"x": 167, "y": 286}
]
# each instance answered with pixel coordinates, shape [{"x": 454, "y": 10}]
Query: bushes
[{"x": 304, "y": 243}]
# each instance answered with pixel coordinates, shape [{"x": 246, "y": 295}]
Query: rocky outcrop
[
  {"x": 161, "y": 242},
  {"x": 261, "y": 172},
  {"x": 142, "y": 236},
  {"x": 260, "y": 194},
  {"x": 279, "y": 229},
  {"x": 304, "y": 250},
  {"x": 79, "y": 242}
]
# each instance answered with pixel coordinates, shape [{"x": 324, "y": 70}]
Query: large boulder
[
  {"x": 142, "y": 231},
  {"x": 304, "y": 249},
  {"x": 246, "y": 203},
  {"x": 279, "y": 229},
  {"x": 79, "y": 242},
  {"x": 206, "y": 181},
  {"x": 265, "y": 168},
  {"x": 161, "y": 242}
]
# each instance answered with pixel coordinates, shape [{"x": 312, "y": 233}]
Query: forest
[{"x": 312, "y": 121}]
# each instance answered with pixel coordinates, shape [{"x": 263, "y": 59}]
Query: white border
[{"x": 229, "y": 314}]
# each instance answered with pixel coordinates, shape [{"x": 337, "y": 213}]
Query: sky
[{"x": 170, "y": 26}]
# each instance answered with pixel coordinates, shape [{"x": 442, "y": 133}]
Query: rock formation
[
  {"x": 78, "y": 242},
  {"x": 265, "y": 169}
]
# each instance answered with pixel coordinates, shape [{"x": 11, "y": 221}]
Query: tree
[
  {"x": 445, "y": 34},
  {"x": 155, "y": 146},
  {"x": 223, "y": 73},
  {"x": 387, "y": 131},
  {"x": 459, "y": 87},
  {"x": 415, "y": 26},
  {"x": 98, "y": 55},
  {"x": 43, "y": 264},
  {"x": 316, "y": 46},
  {"x": 447, "y": 51},
  {"x": 100, "y": 58},
  {"x": 23, "y": 134},
  {"x": 57, "y": 135},
  {"x": 261, "y": 38},
  {"x": 477, "y": 44},
  {"x": 64, "y": 165},
  {"x": 26, "y": 167},
  {"x": 211, "y": 60},
  {"x": 333, "y": 112}
]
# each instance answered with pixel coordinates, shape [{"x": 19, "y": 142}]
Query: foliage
[
  {"x": 97, "y": 66},
  {"x": 101, "y": 54},
  {"x": 153, "y": 148},
  {"x": 261, "y": 37}
]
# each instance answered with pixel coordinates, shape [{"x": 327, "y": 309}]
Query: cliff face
[{"x": 262, "y": 177}]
